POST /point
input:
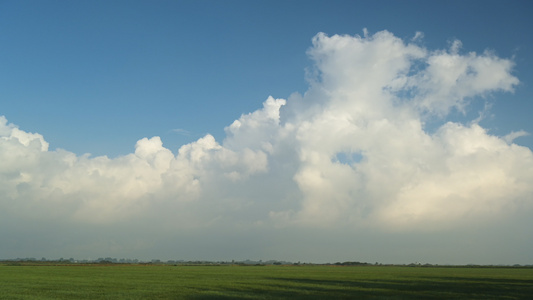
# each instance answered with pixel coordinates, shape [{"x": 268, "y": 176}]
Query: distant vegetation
[{"x": 111, "y": 260}]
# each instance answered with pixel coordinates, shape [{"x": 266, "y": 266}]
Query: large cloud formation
[{"x": 353, "y": 152}]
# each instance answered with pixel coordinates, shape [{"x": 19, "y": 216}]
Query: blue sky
[
  {"x": 96, "y": 76},
  {"x": 390, "y": 131}
]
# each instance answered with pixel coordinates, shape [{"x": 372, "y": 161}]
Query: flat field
[{"x": 262, "y": 282}]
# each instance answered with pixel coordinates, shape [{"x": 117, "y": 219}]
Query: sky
[{"x": 312, "y": 131}]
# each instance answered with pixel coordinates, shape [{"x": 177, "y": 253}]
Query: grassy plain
[{"x": 262, "y": 282}]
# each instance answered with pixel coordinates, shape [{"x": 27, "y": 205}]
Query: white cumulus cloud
[{"x": 279, "y": 166}]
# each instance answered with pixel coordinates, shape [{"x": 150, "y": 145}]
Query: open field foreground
[{"x": 262, "y": 282}]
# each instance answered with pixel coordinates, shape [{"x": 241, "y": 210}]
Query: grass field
[{"x": 262, "y": 282}]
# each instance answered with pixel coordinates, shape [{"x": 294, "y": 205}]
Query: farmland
[{"x": 135, "y": 281}]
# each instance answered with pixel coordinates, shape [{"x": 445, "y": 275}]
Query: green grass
[{"x": 262, "y": 282}]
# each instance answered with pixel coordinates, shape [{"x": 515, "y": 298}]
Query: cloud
[
  {"x": 278, "y": 167},
  {"x": 509, "y": 138},
  {"x": 181, "y": 131},
  {"x": 418, "y": 36}
]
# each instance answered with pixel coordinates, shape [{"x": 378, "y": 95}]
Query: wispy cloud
[
  {"x": 509, "y": 138},
  {"x": 181, "y": 131}
]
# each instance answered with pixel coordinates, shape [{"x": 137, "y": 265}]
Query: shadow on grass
[{"x": 421, "y": 288}]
